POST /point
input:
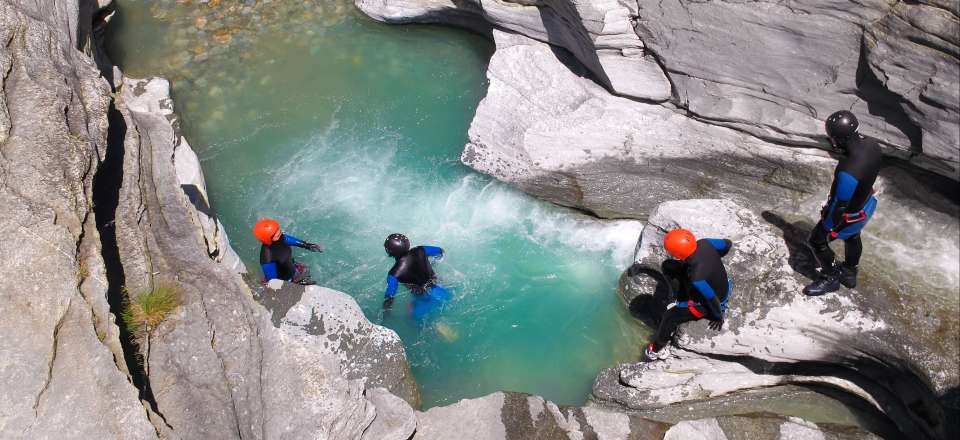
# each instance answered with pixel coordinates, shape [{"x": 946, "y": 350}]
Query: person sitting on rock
[
  {"x": 412, "y": 268},
  {"x": 850, "y": 206},
  {"x": 276, "y": 256},
  {"x": 701, "y": 284}
]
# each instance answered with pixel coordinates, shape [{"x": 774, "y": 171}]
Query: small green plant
[{"x": 144, "y": 311}]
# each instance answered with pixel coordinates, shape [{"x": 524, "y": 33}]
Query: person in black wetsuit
[
  {"x": 276, "y": 256},
  {"x": 700, "y": 281},
  {"x": 412, "y": 268},
  {"x": 850, "y": 206}
]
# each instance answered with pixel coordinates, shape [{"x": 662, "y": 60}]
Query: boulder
[
  {"x": 61, "y": 369},
  {"x": 769, "y": 69},
  {"x": 332, "y": 323},
  {"x": 853, "y": 339}
]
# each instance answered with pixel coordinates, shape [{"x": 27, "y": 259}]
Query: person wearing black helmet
[
  {"x": 850, "y": 206},
  {"x": 412, "y": 268}
]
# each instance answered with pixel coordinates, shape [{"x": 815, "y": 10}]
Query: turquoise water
[{"x": 347, "y": 130}]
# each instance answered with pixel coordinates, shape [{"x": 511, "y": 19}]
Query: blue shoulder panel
[
  {"x": 392, "y": 284},
  {"x": 846, "y": 185},
  {"x": 292, "y": 241},
  {"x": 432, "y": 251},
  {"x": 718, "y": 243},
  {"x": 269, "y": 270},
  {"x": 704, "y": 287}
]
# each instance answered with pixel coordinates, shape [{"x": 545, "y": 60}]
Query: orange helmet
[
  {"x": 266, "y": 230},
  {"x": 680, "y": 243}
]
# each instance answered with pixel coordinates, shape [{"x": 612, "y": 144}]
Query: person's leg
[
  {"x": 853, "y": 248},
  {"x": 852, "y": 252},
  {"x": 819, "y": 243},
  {"x": 429, "y": 301},
  {"x": 672, "y": 319}
]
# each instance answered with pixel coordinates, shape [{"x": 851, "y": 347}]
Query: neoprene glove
[
  {"x": 716, "y": 325},
  {"x": 313, "y": 247},
  {"x": 388, "y": 302}
]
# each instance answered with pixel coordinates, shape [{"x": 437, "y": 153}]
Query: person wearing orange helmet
[
  {"x": 697, "y": 276},
  {"x": 276, "y": 255}
]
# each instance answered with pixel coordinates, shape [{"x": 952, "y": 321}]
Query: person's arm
[
  {"x": 294, "y": 241},
  {"x": 722, "y": 245},
  {"x": 432, "y": 251},
  {"x": 392, "y": 284},
  {"x": 711, "y": 302},
  {"x": 269, "y": 271}
]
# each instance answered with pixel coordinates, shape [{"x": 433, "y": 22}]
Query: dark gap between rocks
[{"x": 106, "y": 197}]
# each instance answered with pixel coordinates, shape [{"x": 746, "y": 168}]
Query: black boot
[
  {"x": 848, "y": 276},
  {"x": 829, "y": 281}
]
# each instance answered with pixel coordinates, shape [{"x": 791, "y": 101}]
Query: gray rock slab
[
  {"x": 59, "y": 377},
  {"x": 516, "y": 416},
  {"x": 332, "y": 323}
]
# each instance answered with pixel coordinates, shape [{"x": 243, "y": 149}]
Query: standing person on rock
[
  {"x": 850, "y": 206},
  {"x": 412, "y": 268},
  {"x": 276, "y": 255},
  {"x": 700, "y": 281}
]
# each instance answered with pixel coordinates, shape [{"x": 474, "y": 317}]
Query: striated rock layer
[{"x": 771, "y": 69}]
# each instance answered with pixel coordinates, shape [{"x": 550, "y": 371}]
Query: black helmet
[
  {"x": 396, "y": 245},
  {"x": 841, "y": 125}
]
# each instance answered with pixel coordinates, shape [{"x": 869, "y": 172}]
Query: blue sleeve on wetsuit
[
  {"x": 432, "y": 251},
  {"x": 392, "y": 284},
  {"x": 712, "y": 303},
  {"x": 269, "y": 271},
  {"x": 293, "y": 241},
  {"x": 722, "y": 245}
]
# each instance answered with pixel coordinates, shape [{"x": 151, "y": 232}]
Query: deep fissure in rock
[{"x": 106, "y": 197}]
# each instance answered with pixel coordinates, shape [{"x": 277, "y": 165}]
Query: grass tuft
[{"x": 143, "y": 312}]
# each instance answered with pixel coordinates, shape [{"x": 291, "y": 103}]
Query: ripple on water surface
[{"x": 347, "y": 130}]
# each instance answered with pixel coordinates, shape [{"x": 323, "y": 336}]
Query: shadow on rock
[{"x": 795, "y": 236}]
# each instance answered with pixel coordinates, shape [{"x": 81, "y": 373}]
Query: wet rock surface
[
  {"x": 772, "y": 70},
  {"x": 774, "y": 334}
]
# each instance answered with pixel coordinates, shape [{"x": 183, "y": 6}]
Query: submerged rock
[{"x": 851, "y": 339}]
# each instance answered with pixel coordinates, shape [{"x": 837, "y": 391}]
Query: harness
[{"x": 692, "y": 305}]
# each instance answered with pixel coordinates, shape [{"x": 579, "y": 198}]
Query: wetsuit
[
  {"x": 277, "y": 262},
  {"x": 851, "y": 203},
  {"x": 414, "y": 271},
  {"x": 701, "y": 285}
]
